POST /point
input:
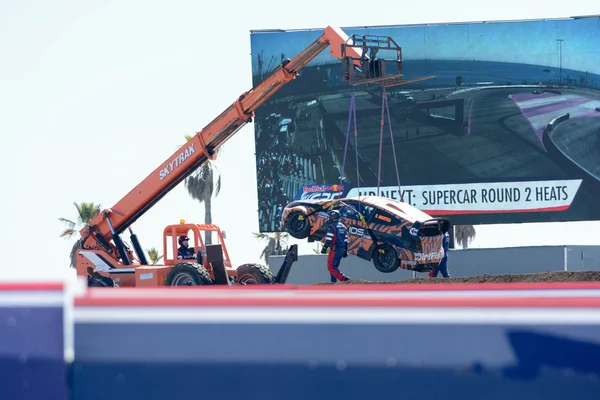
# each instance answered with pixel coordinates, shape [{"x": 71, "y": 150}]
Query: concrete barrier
[
  {"x": 301, "y": 343},
  {"x": 312, "y": 268},
  {"x": 434, "y": 341},
  {"x": 555, "y": 121}
]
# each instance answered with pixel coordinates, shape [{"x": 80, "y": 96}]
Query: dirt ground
[{"x": 582, "y": 276}]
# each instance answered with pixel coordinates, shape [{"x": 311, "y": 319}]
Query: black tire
[
  {"x": 254, "y": 274},
  {"x": 297, "y": 225},
  {"x": 101, "y": 281},
  {"x": 385, "y": 259},
  {"x": 188, "y": 274}
]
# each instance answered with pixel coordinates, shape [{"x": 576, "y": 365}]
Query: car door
[
  {"x": 382, "y": 223},
  {"x": 391, "y": 229}
]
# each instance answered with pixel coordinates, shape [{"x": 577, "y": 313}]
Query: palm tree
[
  {"x": 201, "y": 186},
  {"x": 276, "y": 244},
  {"x": 464, "y": 235},
  {"x": 154, "y": 256},
  {"x": 319, "y": 247},
  {"x": 85, "y": 213}
]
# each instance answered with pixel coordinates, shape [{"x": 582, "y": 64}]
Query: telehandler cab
[{"x": 212, "y": 264}]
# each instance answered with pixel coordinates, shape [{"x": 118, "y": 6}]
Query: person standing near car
[
  {"x": 443, "y": 265},
  {"x": 336, "y": 240}
]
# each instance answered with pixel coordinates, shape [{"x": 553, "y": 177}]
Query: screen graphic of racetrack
[{"x": 510, "y": 109}]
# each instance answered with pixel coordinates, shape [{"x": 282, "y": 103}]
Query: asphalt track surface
[{"x": 579, "y": 140}]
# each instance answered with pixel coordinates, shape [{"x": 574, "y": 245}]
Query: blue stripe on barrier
[
  {"x": 340, "y": 361},
  {"x": 32, "y": 354},
  {"x": 249, "y": 381}
]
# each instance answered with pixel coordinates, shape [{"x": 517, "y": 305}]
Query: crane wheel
[
  {"x": 188, "y": 274},
  {"x": 253, "y": 274},
  {"x": 101, "y": 281}
]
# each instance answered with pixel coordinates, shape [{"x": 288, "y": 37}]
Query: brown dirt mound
[{"x": 580, "y": 276}]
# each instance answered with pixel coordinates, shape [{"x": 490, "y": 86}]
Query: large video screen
[{"x": 505, "y": 127}]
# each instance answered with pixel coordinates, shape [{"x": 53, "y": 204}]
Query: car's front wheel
[
  {"x": 298, "y": 226},
  {"x": 385, "y": 259}
]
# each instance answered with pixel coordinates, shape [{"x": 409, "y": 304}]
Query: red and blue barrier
[
  {"x": 296, "y": 342},
  {"x": 32, "y": 356}
]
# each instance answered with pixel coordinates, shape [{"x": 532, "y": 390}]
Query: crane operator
[
  {"x": 185, "y": 252},
  {"x": 337, "y": 240}
]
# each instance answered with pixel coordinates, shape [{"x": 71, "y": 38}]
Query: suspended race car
[{"x": 390, "y": 233}]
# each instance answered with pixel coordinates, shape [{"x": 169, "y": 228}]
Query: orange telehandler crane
[{"x": 104, "y": 258}]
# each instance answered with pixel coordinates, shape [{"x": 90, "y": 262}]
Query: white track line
[
  {"x": 305, "y": 294},
  {"x": 32, "y": 299},
  {"x": 350, "y": 315}
]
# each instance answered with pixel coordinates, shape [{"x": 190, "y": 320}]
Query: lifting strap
[
  {"x": 386, "y": 108},
  {"x": 351, "y": 118}
]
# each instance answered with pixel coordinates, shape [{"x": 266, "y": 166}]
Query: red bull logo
[{"x": 322, "y": 188}]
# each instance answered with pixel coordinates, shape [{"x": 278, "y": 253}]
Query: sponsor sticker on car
[{"x": 422, "y": 257}]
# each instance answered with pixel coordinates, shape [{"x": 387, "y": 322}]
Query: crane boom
[{"x": 203, "y": 145}]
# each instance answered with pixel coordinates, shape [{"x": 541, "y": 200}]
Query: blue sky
[
  {"x": 95, "y": 95},
  {"x": 526, "y": 42}
]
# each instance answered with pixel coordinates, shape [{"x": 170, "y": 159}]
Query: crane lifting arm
[{"x": 203, "y": 145}]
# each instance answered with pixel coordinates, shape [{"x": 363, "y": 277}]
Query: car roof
[{"x": 395, "y": 207}]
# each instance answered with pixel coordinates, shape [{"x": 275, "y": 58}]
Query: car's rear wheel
[
  {"x": 385, "y": 259},
  {"x": 298, "y": 226}
]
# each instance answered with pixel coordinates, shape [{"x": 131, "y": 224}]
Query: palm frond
[
  {"x": 87, "y": 211},
  {"x": 68, "y": 222},
  {"x": 283, "y": 236},
  {"x": 464, "y": 235},
  {"x": 218, "y": 186},
  {"x": 79, "y": 211},
  {"x": 73, "y": 255},
  {"x": 154, "y": 255},
  {"x": 261, "y": 235},
  {"x": 199, "y": 185},
  {"x": 70, "y": 230},
  {"x": 68, "y": 233},
  {"x": 264, "y": 254}
]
